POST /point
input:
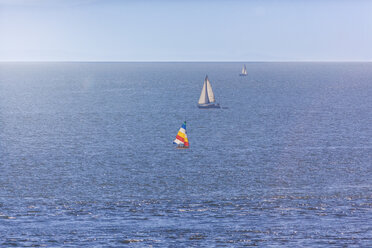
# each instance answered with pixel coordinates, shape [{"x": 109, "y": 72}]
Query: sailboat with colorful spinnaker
[{"x": 181, "y": 139}]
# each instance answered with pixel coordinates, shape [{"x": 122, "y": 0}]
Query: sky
[{"x": 185, "y": 30}]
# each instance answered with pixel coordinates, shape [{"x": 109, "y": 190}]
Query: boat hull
[
  {"x": 208, "y": 106},
  {"x": 242, "y": 75},
  {"x": 182, "y": 147}
]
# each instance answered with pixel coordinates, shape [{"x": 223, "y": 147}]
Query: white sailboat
[
  {"x": 206, "y": 99},
  {"x": 244, "y": 71}
]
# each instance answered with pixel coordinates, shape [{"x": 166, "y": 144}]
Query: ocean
[{"x": 87, "y": 156}]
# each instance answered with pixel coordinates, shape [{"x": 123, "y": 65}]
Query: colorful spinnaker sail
[{"x": 181, "y": 138}]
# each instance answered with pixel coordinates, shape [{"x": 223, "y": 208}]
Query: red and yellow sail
[{"x": 181, "y": 138}]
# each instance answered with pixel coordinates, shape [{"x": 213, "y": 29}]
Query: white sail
[
  {"x": 203, "y": 99},
  {"x": 244, "y": 70},
  {"x": 209, "y": 90}
]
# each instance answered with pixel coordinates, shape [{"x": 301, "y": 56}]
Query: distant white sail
[
  {"x": 244, "y": 70},
  {"x": 209, "y": 90}
]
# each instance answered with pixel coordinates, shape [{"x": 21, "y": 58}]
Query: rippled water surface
[{"x": 86, "y": 155}]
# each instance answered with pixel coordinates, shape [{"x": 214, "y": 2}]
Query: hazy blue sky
[{"x": 185, "y": 30}]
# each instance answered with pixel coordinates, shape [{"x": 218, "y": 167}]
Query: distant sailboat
[
  {"x": 244, "y": 71},
  {"x": 181, "y": 139},
  {"x": 206, "y": 99}
]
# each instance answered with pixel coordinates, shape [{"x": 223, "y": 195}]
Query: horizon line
[{"x": 185, "y": 61}]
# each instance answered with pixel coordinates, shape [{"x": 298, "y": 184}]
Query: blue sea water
[{"x": 87, "y": 160}]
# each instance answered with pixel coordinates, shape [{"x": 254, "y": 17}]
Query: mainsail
[
  {"x": 207, "y": 95},
  {"x": 181, "y": 138},
  {"x": 244, "y": 70},
  {"x": 203, "y": 99}
]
